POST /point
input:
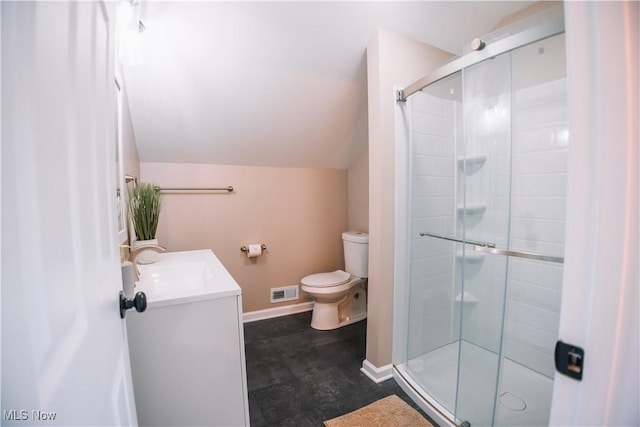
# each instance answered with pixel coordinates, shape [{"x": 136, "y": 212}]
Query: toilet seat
[{"x": 326, "y": 280}]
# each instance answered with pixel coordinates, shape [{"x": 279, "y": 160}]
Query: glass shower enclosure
[{"x": 487, "y": 189}]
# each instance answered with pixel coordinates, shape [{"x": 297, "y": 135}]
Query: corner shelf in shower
[
  {"x": 471, "y": 256},
  {"x": 475, "y": 209},
  {"x": 473, "y": 163},
  {"x": 466, "y": 298}
]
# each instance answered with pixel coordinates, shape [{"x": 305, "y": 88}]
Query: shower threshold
[{"x": 524, "y": 397}]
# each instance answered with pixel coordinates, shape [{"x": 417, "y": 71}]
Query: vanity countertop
[{"x": 183, "y": 277}]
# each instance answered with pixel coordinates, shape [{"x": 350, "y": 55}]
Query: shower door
[
  {"x": 488, "y": 148},
  {"x": 435, "y": 282},
  {"x": 484, "y": 213},
  {"x": 515, "y": 111}
]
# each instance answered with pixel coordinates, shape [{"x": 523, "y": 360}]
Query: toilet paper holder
[{"x": 245, "y": 249}]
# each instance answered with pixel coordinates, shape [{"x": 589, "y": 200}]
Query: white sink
[
  {"x": 176, "y": 277},
  {"x": 179, "y": 277}
]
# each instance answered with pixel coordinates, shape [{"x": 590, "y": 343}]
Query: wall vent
[{"x": 288, "y": 293}]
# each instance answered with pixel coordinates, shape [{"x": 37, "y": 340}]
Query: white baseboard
[
  {"x": 375, "y": 374},
  {"x": 284, "y": 310}
]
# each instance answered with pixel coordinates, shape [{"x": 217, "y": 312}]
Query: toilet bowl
[{"x": 340, "y": 296}]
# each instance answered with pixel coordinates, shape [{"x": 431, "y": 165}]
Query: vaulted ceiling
[{"x": 273, "y": 83}]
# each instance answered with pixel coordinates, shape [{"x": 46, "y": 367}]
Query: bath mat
[{"x": 388, "y": 412}]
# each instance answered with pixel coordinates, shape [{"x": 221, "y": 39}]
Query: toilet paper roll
[
  {"x": 255, "y": 250},
  {"x": 127, "y": 279}
]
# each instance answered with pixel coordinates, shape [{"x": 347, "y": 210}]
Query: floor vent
[{"x": 288, "y": 293}]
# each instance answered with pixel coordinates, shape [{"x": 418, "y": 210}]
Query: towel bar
[{"x": 228, "y": 189}]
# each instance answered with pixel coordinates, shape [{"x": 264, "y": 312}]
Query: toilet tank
[{"x": 356, "y": 253}]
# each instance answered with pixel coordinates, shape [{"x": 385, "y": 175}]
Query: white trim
[
  {"x": 269, "y": 313},
  {"x": 375, "y": 374}
]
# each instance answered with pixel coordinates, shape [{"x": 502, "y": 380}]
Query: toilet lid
[{"x": 323, "y": 280}]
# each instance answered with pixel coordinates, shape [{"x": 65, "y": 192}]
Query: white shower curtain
[{"x": 601, "y": 298}]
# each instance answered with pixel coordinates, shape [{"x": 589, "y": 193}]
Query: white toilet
[{"x": 340, "y": 296}]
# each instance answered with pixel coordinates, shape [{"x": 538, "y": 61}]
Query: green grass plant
[{"x": 144, "y": 208}]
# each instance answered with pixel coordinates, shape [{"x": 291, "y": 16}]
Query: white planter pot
[{"x": 145, "y": 256}]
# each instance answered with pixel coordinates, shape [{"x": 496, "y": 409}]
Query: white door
[{"x": 65, "y": 358}]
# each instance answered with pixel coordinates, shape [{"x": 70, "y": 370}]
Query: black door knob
[{"x": 139, "y": 302}]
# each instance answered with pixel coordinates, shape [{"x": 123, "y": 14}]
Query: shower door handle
[
  {"x": 458, "y": 240},
  {"x": 491, "y": 248},
  {"x": 519, "y": 254}
]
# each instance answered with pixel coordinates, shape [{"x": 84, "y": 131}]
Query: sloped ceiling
[{"x": 273, "y": 83}]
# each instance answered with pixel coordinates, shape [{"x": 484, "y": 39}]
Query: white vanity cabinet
[{"x": 187, "y": 348}]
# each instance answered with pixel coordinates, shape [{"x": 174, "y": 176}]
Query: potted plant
[{"x": 144, "y": 210}]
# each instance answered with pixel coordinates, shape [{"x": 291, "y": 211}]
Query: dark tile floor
[{"x": 298, "y": 376}]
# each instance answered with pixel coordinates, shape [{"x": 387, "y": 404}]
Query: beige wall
[
  {"x": 358, "y": 194},
  {"x": 299, "y": 213},
  {"x": 392, "y": 60}
]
